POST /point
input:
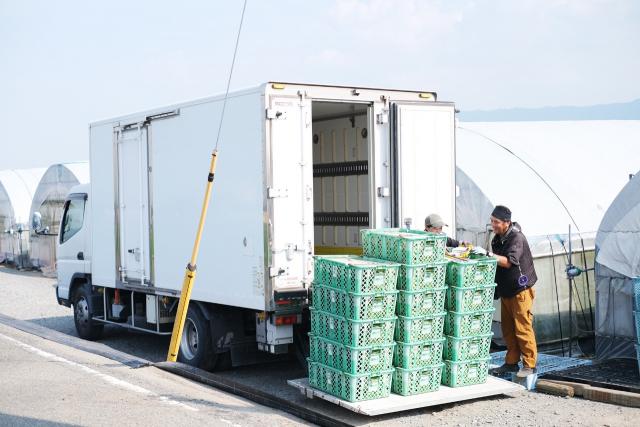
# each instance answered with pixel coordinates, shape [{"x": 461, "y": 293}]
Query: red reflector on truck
[{"x": 286, "y": 320}]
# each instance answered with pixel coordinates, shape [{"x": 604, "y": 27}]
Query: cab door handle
[{"x": 80, "y": 255}]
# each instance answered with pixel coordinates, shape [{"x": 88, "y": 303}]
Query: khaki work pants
[{"x": 517, "y": 328}]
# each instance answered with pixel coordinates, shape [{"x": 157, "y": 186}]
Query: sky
[{"x": 66, "y": 63}]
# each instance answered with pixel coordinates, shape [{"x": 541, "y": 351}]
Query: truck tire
[
  {"x": 86, "y": 327},
  {"x": 195, "y": 345}
]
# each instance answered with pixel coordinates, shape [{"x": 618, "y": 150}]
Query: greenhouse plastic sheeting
[{"x": 617, "y": 264}]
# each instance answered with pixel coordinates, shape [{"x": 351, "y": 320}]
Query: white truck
[{"x": 301, "y": 170}]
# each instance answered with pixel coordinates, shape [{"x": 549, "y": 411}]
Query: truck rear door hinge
[
  {"x": 382, "y": 118},
  {"x": 275, "y": 114},
  {"x": 276, "y": 271},
  {"x": 273, "y": 193}
]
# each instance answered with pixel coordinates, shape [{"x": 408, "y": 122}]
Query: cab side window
[{"x": 72, "y": 219}]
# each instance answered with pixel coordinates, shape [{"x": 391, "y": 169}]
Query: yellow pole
[{"x": 190, "y": 272}]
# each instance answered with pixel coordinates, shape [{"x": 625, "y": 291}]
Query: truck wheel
[
  {"x": 86, "y": 327},
  {"x": 195, "y": 344}
]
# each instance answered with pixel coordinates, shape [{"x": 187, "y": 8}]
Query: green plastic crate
[
  {"x": 422, "y": 277},
  {"x": 418, "y": 355},
  {"x": 462, "y": 273},
  {"x": 418, "y": 329},
  {"x": 355, "y": 274},
  {"x": 354, "y": 306},
  {"x": 421, "y": 303},
  {"x": 351, "y": 360},
  {"x": 485, "y": 268},
  {"x": 355, "y": 333},
  {"x": 470, "y": 348},
  {"x": 407, "y": 382},
  {"x": 412, "y": 247},
  {"x": 458, "y": 374},
  {"x": 352, "y": 388},
  {"x": 468, "y": 324},
  {"x": 326, "y": 299},
  {"x": 470, "y": 298}
]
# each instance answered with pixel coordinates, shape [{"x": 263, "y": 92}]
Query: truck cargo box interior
[{"x": 341, "y": 184}]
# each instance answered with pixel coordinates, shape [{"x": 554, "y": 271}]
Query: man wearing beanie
[{"x": 515, "y": 277}]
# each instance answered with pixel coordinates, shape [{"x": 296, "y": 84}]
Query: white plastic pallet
[{"x": 397, "y": 403}]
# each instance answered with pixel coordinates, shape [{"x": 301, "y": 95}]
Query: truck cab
[
  {"x": 74, "y": 262},
  {"x": 74, "y": 245}
]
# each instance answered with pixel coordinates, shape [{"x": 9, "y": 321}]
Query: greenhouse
[
  {"x": 17, "y": 187},
  {"x": 46, "y": 211}
]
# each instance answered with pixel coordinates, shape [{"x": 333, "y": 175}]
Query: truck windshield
[{"x": 72, "y": 219}]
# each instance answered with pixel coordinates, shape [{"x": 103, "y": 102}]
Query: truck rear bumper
[{"x": 290, "y": 300}]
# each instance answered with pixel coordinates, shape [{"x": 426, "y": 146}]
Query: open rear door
[
  {"x": 423, "y": 153},
  {"x": 290, "y": 192}
]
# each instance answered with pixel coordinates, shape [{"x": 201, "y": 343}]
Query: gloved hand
[{"x": 477, "y": 250}]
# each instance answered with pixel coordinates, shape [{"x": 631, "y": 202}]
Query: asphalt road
[
  {"x": 30, "y": 296},
  {"x": 46, "y": 383}
]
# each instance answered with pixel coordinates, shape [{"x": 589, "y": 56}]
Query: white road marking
[{"x": 107, "y": 378}]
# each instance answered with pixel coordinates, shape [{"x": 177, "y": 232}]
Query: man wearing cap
[
  {"x": 515, "y": 277},
  {"x": 433, "y": 224}
]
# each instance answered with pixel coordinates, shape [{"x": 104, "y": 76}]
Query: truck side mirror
[{"x": 36, "y": 222}]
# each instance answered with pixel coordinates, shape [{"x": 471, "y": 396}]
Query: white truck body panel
[{"x": 148, "y": 174}]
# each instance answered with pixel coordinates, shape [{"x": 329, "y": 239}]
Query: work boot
[
  {"x": 526, "y": 371},
  {"x": 504, "y": 369}
]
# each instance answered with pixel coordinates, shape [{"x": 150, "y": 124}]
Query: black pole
[
  {"x": 586, "y": 273},
  {"x": 570, "y": 297},
  {"x": 555, "y": 280}
]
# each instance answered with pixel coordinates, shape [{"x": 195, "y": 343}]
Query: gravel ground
[{"x": 29, "y": 296}]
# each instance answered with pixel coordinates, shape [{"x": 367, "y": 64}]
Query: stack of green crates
[
  {"x": 420, "y": 305},
  {"x": 469, "y": 303},
  {"x": 352, "y": 325}
]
